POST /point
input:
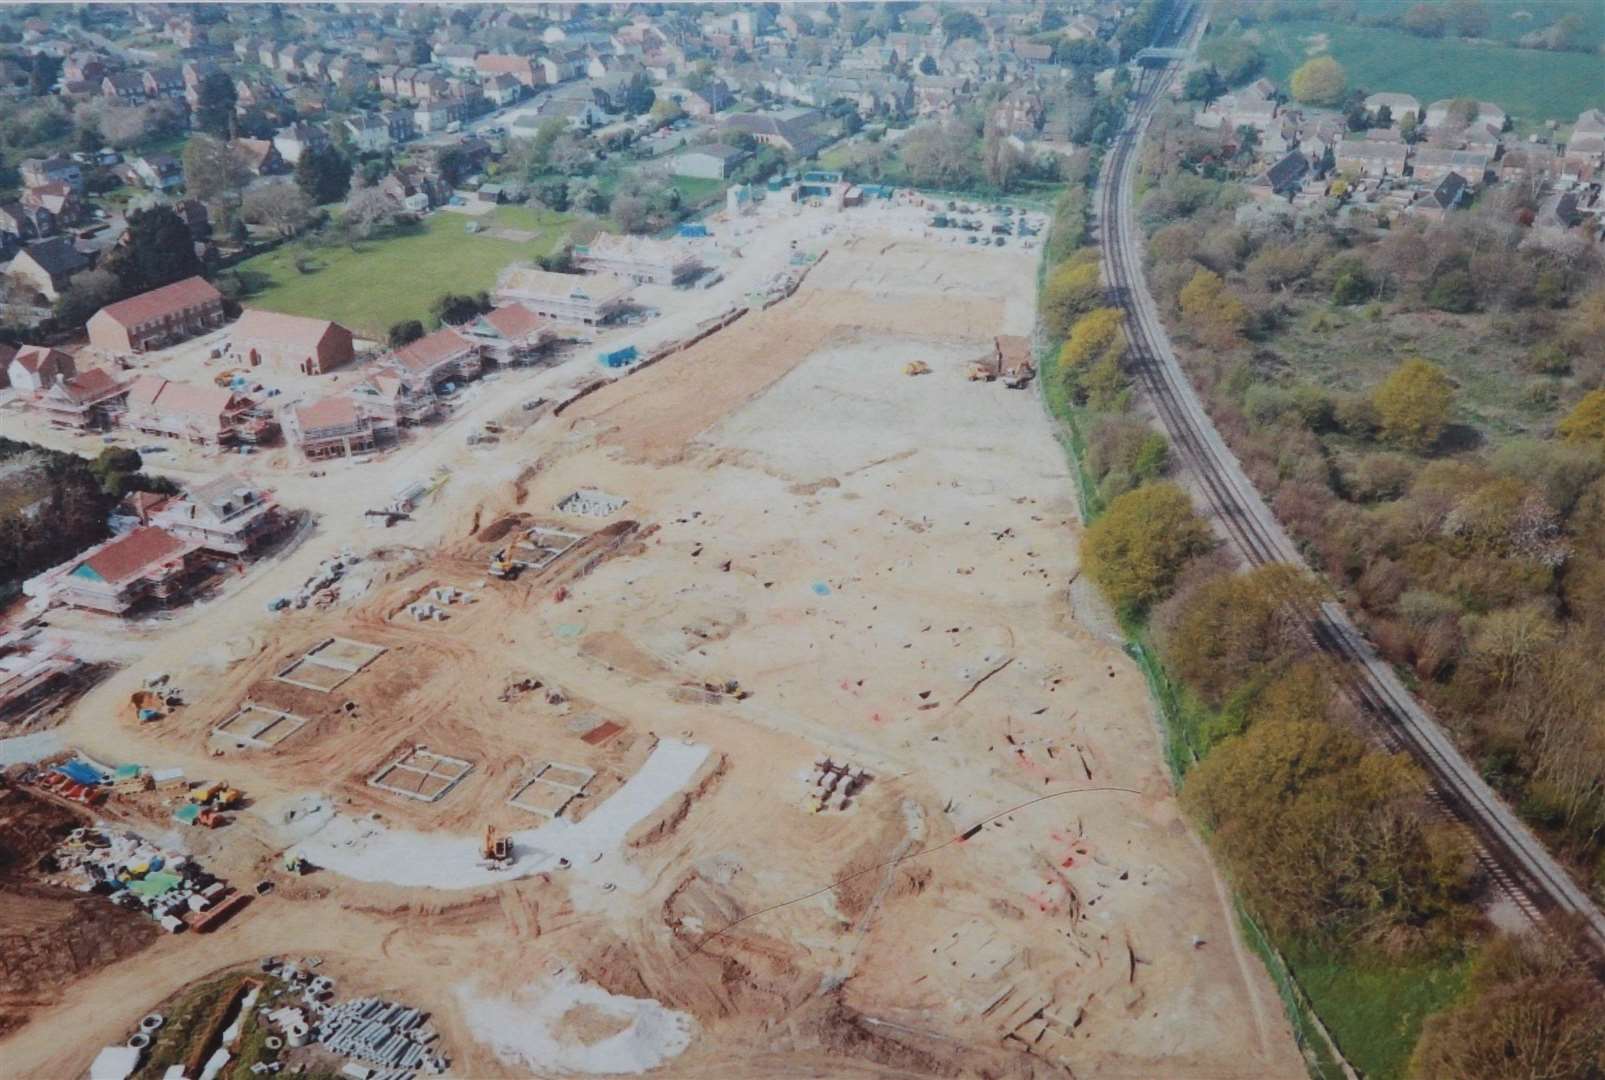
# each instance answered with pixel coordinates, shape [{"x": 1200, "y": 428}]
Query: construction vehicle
[
  {"x": 214, "y": 793},
  {"x": 495, "y": 852},
  {"x": 503, "y": 565},
  {"x": 916, "y": 367},
  {"x": 148, "y": 705},
  {"x": 980, "y": 371},
  {"x": 294, "y": 862}
]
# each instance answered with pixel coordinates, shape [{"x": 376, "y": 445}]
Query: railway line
[{"x": 1515, "y": 860}]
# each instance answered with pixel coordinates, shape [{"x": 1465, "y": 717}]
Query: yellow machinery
[
  {"x": 916, "y": 367},
  {"x": 495, "y": 851}
]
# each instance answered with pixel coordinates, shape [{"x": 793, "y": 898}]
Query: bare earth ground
[{"x": 883, "y": 561}]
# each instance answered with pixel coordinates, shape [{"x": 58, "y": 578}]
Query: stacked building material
[{"x": 393, "y": 1037}]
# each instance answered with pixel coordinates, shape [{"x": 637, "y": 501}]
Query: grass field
[
  {"x": 694, "y": 189},
  {"x": 399, "y": 276},
  {"x": 1375, "y": 1013},
  {"x": 1531, "y": 85}
]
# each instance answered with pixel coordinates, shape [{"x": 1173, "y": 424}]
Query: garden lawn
[
  {"x": 1531, "y": 85},
  {"x": 398, "y": 276},
  {"x": 1375, "y": 1013}
]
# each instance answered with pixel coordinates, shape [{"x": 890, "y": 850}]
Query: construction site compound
[{"x": 735, "y": 716}]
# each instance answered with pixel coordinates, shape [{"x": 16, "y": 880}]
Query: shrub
[{"x": 1413, "y": 403}]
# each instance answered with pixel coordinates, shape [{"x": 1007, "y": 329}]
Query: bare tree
[
  {"x": 280, "y": 207},
  {"x": 367, "y": 210}
]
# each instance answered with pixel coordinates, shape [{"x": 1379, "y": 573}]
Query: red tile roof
[
  {"x": 426, "y": 352},
  {"x": 167, "y": 300},
  {"x": 516, "y": 322},
  {"x": 330, "y": 412},
  {"x": 33, "y": 357},
  {"x": 91, "y": 385},
  {"x": 128, "y": 557}
]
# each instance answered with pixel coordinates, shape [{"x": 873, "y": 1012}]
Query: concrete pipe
[
  {"x": 272, "y": 1042},
  {"x": 139, "y": 1040},
  {"x": 152, "y": 1022},
  {"x": 297, "y": 1034}
]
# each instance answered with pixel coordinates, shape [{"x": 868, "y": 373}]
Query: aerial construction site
[{"x": 738, "y": 716}]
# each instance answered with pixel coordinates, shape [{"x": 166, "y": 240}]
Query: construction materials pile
[
  {"x": 385, "y": 1040},
  {"x": 169, "y": 885},
  {"x": 391, "y": 1036},
  {"x": 322, "y": 588}
]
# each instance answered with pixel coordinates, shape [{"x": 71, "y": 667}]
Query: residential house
[
  {"x": 370, "y": 133},
  {"x": 224, "y": 516},
  {"x": 260, "y": 156},
  {"x": 512, "y": 333},
  {"x": 195, "y": 73},
  {"x": 521, "y": 68},
  {"x": 708, "y": 161},
  {"x": 128, "y": 87},
  {"x": 20, "y": 223},
  {"x": 39, "y": 171},
  {"x": 164, "y": 82},
  {"x": 125, "y": 572},
  {"x": 580, "y": 113},
  {"x": 36, "y": 368},
  {"x": 639, "y": 259},
  {"x": 92, "y": 400},
  {"x": 163, "y": 172},
  {"x": 311, "y": 346},
  {"x": 1019, "y": 113},
  {"x": 1431, "y": 164},
  {"x": 1437, "y": 114},
  {"x": 205, "y": 415},
  {"x": 58, "y": 198},
  {"x": 158, "y": 317},
  {"x": 456, "y": 57},
  {"x": 1369, "y": 157},
  {"x": 503, "y": 89},
  {"x": 436, "y": 115},
  {"x": 1558, "y": 214},
  {"x": 588, "y": 299},
  {"x": 1397, "y": 104},
  {"x": 297, "y": 138},
  {"x": 48, "y": 265},
  {"x": 337, "y": 426},
  {"x": 415, "y": 189},
  {"x": 1285, "y": 178},
  {"x": 436, "y": 359}
]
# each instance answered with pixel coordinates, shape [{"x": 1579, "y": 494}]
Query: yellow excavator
[{"x": 495, "y": 851}]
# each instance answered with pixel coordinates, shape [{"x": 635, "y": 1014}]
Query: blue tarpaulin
[
  {"x": 694, "y": 230},
  {"x": 618, "y": 357},
  {"x": 80, "y": 772}
]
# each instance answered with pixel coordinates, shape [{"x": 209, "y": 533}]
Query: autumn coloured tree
[
  {"x": 1320, "y": 81},
  {"x": 1529, "y": 1009},
  {"x": 1328, "y": 838},
  {"x": 1217, "y": 316},
  {"x": 1071, "y": 291},
  {"x": 1136, "y": 549},
  {"x": 1231, "y": 629},
  {"x": 1413, "y": 404},
  {"x": 1093, "y": 334}
]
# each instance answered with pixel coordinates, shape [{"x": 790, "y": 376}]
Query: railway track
[{"x": 1515, "y": 861}]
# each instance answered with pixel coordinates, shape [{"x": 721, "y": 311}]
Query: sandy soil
[{"x": 883, "y": 563}]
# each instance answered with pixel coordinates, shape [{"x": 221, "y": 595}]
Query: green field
[
  {"x": 1531, "y": 85},
  {"x": 398, "y": 276},
  {"x": 1375, "y": 1013},
  {"x": 694, "y": 189}
]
